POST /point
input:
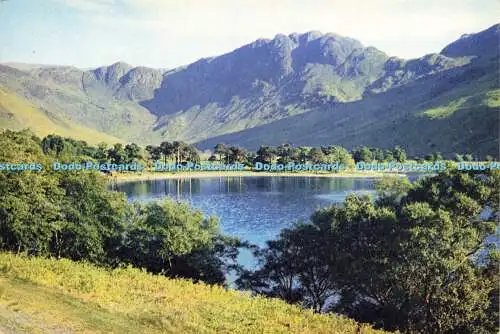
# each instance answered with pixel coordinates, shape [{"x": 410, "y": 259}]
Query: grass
[
  {"x": 489, "y": 99},
  {"x": 17, "y": 113},
  {"x": 48, "y": 295},
  {"x": 445, "y": 111}
]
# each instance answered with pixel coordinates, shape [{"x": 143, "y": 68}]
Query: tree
[
  {"x": 266, "y": 154},
  {"x": 388, "y": 156},
  {"x": 101, "y": 153},
  {"x": 155, "y": 152},
  {"x": 250, "y": 159},
  {"x": 285, "y": 153},
  {"x": 399, "y": 154},
  {"x": 278, "y": 276},
  {"x": 316, "y": 155},
  {"x": 235, "y": 154},
  {"x": 167, "y": 149},
  {"x": 117, "y": 154},
  {"x": 414, "y": 260},
  {"x": 378, "y": 154},
  {"x": 179, "y": 148},
  {"x": 220, "y": 149},
  {"x": 390, "y": 190},
  {"x": 190, "y": 153},
  {"x": 29, "y": 211},
  {"x": 436, "y": 156},
  {"x": 468, "y": 157},
  {"x": 363, "y": 154},
  {"x": 338, "y": 153},
  {"x": 173, "y": 239},
  {"x": 53, "y": 143},
  {"x": 292, "y": 270},
  {"x": 93, "y": 219},
  {"x": 132, "y": 152},
  {"x": 303, "y": 154}
]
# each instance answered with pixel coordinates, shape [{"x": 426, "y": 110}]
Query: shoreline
[{"x": 149, "y": 176}]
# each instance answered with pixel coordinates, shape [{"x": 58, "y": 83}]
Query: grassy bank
[
  {"x": 44, "y": 295},
  {"x": 125, "y": 177}
]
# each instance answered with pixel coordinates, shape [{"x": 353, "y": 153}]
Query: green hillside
[
  {"x": 60, "y": 296},
  {"x": 17, "y": 113},
  {"x": 456, "y": 111},
  {"x": 490, "y": 99}
]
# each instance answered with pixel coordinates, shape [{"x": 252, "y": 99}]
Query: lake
[{"x": 251, "y": 208}]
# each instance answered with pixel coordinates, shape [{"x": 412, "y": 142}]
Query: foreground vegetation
[
  {"x": 421, "y": 258},
  {"x": 84, "y": 298},
  {"x": 72, "y": 214}
]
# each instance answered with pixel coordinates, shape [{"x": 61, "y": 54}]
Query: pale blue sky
[{"x": 168, "y": 33}]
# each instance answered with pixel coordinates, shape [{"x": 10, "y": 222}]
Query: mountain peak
[
  {"x": 121, "y": 65},
  {"x": 312, "y": 35},
  {"x": 111, "y": 74},
  {"x": 482, "y": 44}
]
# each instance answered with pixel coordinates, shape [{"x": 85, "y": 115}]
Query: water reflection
[{"x": 252, "y": 208}]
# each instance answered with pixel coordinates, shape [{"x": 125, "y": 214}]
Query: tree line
[{"x": 179, "y": 152}]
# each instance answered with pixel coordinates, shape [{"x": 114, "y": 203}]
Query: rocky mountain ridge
[{"x": 259, "y": 84}]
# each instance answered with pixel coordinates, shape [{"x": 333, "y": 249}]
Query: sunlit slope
[
  {"x": 17, "y": 113},
  {"x": 41, "y": 295},
  {"x": 456, "y": 111}
]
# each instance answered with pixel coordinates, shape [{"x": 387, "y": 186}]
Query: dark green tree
[
  {"x": 415, "y": 260},
  {"x": 363, "y": 154},
  {"x": 116, "y": 154},
  {"x": 168, "y": 150},
  {"x": 399, "y": 154},
  {"x": 266, "y": 154},
  {"x": 285, "y": 153},
  {"x": 235, "y": 154},
  {"x": 53, "y": 143},
  {"x": 220, "y": 150},
  {"x": 132, "y": 153},
  {"x": 101, "y": 153},
  {"x": 155, "y": 152},
  {"x": 317, "y": 156}
]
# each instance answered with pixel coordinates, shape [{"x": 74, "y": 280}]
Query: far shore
[{"x": 146, "y": 176}]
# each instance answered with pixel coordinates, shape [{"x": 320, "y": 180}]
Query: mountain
[
  {"x": 484, "y": 44},
  {"x": 308, "y": 89},
  {"x": 17, "y": 114},
  {"x": 104, "y": 99}
]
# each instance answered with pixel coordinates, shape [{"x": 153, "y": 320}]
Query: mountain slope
[
  {"x": 443, "y": 112},
  {"x": 304, "y": 88},
  {"x": 16, "y": 114},
  {"x": 89, "y": 98},
  {"x": 447, "y": 107}
]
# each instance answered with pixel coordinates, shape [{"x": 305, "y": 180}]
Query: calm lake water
[{"x": 251, "y": 208}]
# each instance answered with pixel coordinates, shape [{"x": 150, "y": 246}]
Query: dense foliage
[
  {"x": 73, "y": 215},
  {"x": 418, "y": 259}
]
